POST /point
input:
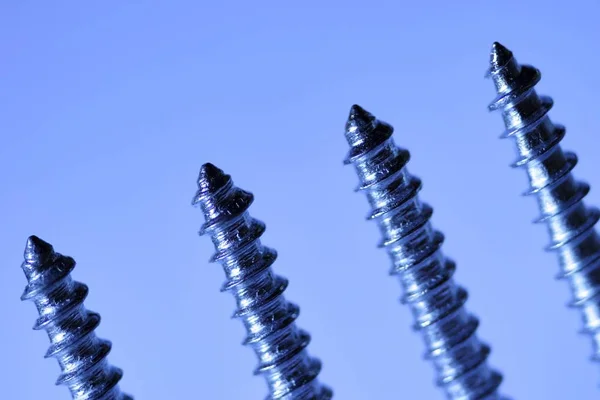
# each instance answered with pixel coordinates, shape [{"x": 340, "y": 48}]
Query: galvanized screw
[
  {"x": 560, "y": 196},
  {"x": 291, "y": 373},
  {"x": 70, "y": 327},
  {"x": 436, "y": 302}
]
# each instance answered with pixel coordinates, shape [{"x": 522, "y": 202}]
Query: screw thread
[
  {"x": 281, "y": 347},
  {"x": 70, "y": 326},
  {"x": 436, "y": 302},
  {"x": 569, "y": 221}
]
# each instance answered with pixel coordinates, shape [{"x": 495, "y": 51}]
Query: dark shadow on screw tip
[
  {"x": 499, "y": 56},
  {"x": 36, "y": 250},
  {"x": 211, "y": 178},
  {"x": 360, "y": 116}
]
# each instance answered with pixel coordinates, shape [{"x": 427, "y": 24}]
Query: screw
[
  {"x": 560, "y": 196},
  {"x": 70, "y": 327},
  {"x": 436, "y": 302},
  {"x": 291, "y": 373}
]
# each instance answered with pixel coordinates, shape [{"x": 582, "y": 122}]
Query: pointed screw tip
[
  {"x": 359, "y": 118},
  {"x": 359, "y": 113},
  {"x": 211, "y": 178},
  {"x": 37, "y": 250},
  {"x": 355, "y": 109},
  {"x": 500, "y": 55}
]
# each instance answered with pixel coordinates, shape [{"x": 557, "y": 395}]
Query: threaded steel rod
[
  {"x": 70, "y": 327},
  {"x": 570, "y": 223},
  {"x": 290, "y": 372},
  {"x": 436, "y": 302}
]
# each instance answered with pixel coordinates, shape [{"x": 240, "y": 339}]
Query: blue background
[{"x": 108, "y": 109}]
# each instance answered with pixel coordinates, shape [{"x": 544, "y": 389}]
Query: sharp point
[
  {"x": 211, "y": 178},
  {"x": 499, "y": 56},
  {"x": 37, "y": 251},
  {"x": 359, "y": 118}
]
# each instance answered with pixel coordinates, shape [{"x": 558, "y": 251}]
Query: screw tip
[
  {"x": 211, "y": 178},
  {"x": 359, "y": 119},
  {"x": 37, "y": 251},
  {"x": 360, "y": 115},
  {"x": 499, "y": 56}
]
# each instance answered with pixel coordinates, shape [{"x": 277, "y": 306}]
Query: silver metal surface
[
  {"x": 559, "y": 195},
  {"x": 290, "y": 372},
  {"x": 70, "y": 327},
  {"x": 436, "y": 302}
]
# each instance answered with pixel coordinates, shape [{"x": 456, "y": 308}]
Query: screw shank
[
  {"x": 69, "y": 325},
  {"x": 426, "y": 276},
  {"x": 560, "y": 197},
  {"x": 280, "y": 346}
]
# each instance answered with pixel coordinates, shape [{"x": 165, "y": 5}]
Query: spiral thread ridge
[
  {"x": 69, "y": 325},
  {"x": 560, "y": 197},
  {"x": 436, "y": 302},
  {"x": 281, "y": 347}
]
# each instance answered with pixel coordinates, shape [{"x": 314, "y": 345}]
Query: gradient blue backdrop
[{"x": 108, "y": 109}]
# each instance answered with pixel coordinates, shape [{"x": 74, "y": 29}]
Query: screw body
[
  {"x": 436, "y": 302},
  {"x": 290, "y": 372},
  {"x": 70, "y": 327},
  {"x": 559, "y": 195}
]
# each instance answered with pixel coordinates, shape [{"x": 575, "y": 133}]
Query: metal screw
[
  {"x": 291, "y": 373},
  {"x": 70, "y": 327},
  {"x": 560, "y": 196},
  {"x": 436, "y": 302}
]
